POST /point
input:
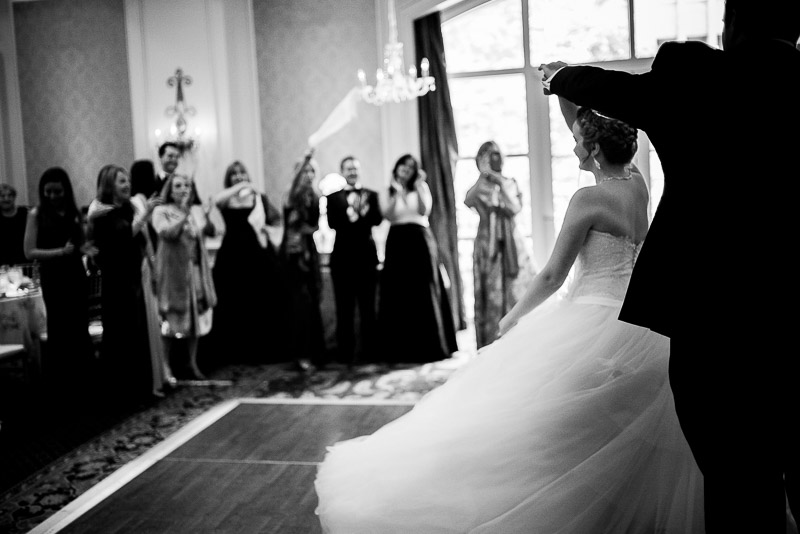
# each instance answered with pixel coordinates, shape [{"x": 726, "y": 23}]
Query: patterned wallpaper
[
  {"x": 308, "y": 52},
  {"x": 76, "y": 108}
]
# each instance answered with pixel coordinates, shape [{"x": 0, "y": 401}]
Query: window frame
[{"x": 539, "y": 154}]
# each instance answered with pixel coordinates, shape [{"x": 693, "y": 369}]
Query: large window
[{"x": 493, "y": 50}]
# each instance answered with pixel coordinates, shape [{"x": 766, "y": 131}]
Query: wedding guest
[
  {"x": 501, "y": 265},
  {"x": 414, "y": 316},
  {"x": 54, "y": 237},
  {"x": 125, "y": 352},
  {"x": 185, "y": 288},
  {"x": 144, "y": 200},
  {"x": 251, "y": 298},
  {"x": 733, "y": 410},
  {"x": 12, "y": 227},
  {"x": 301, "y": 261},
  {"x": 352, "y": 212},
  {"x": 169, "y": 156}
]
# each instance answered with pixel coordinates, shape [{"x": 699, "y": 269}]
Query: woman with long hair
[
  {"x": 55, "y": 239},
  {"x": 144, "y": 198},
  {"x": 186, "y": 294},
  {"x": 245, "y": 318},
  {"x": 301, "y": 262},
  {"x": 501, "y": 264},
  {"x": 118, "y": 236},
  {"x": 414, "y": 315}
]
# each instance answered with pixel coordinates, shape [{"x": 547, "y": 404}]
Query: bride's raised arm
[{"x": 569, "y": 110}]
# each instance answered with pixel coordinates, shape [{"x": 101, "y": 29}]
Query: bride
[{"x": 565, "y": 424}]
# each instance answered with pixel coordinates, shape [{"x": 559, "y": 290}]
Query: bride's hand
[{"x": 506, "y": 323}]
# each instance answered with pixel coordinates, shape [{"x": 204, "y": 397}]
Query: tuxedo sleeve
[
  {"x": 622, "y": 95},
  {"x": 374, "y": 217},
  {"x": 336, "y": 214},
  {"x": 637, "y": 99}
]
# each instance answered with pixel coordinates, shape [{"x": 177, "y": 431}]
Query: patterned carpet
[{"x": 29, "y": 503}]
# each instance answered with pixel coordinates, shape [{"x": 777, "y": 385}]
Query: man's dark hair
[
  {"x": 766, "y": 18},
  {"x": 345, "y": 160},
  {"x": 163, "y": 148}
]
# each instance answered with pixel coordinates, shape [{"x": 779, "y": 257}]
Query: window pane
[
  {"x": 567, "y": 177},
  {"x": 467, "y": 219},
  {"x": 657, "y": 21},
  {"x": 488, "y": 37},
  {"x": 519, "y": 169},
  {"x": 490, "y": 107},
  {"x": 465, "y": 247},
  {"x": 578, "y": 31}
]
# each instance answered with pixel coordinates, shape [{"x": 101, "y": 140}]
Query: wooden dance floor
[{"x": 244, "y": 467}]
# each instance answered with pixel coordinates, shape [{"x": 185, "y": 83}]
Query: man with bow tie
[
  {"x": 352, "y": 212},
  {"x": 169, "y": 155}
]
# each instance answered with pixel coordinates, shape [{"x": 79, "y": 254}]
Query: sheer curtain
[{"x": 438, "y": 150}]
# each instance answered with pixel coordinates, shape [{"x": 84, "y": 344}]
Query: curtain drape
[{"x": 438, "y": 151}]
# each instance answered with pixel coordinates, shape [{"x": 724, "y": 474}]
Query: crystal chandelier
[{"x": 392, "y": 83}]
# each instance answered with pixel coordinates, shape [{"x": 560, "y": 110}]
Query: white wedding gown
[{"x": 564, "y": 425}]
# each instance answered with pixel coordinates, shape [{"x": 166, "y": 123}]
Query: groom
[{"x": 712, "y": 272}]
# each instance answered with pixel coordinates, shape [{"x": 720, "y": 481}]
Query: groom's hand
[{"x": 548, "y": 69}]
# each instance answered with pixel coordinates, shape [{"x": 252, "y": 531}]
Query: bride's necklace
[{"x": 610, "y": 178}]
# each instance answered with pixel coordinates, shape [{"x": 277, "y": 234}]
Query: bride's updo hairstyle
[{"x": 616, "y": 139}]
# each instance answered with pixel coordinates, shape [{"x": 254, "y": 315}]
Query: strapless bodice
[{"x": 603, "y": 268}]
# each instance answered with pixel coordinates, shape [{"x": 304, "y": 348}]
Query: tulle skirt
[{"x": 564, "y": 425}]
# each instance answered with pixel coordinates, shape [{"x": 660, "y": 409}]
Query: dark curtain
[{"x": 439, "y": 149}]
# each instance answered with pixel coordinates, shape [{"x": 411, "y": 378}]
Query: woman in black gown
[
  {"x": 54, "y": 237},
  {"x": 414, "y": 316},
  {"x": 125, "y": 350},
  {"x": 250, "y": 297}
]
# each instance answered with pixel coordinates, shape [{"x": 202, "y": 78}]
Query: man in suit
[
  {"x": 724, "y": 124},
  {"x": 352, "y": 212},
  {"x": 169, "y": 155}
]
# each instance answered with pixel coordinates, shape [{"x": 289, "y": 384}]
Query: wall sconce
[{"x": 178, "y": 129}]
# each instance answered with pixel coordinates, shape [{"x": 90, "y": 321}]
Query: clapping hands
[{"x": 154, "y": 201}]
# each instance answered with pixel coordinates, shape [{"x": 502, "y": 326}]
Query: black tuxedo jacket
[
  {"x": 161, "y": 181},
  {"x": 354, "y": 246},
  {"x": 724, "y": 125}
]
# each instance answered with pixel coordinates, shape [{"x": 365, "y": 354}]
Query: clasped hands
[
  {"x": 422, "y": 177},
  {"x": 548, "y": 69}
]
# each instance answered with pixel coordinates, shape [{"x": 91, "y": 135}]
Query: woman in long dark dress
[
  {"x": 301, "y": 261},
  {"x": 414, "y": 315},
  {"x": 250, "y": 293},
  {"x": 125, "y": 350},
  {"x": 54, "y": 237}
]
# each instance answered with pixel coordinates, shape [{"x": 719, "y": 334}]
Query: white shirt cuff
[{"x": 546, "y": 83}]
